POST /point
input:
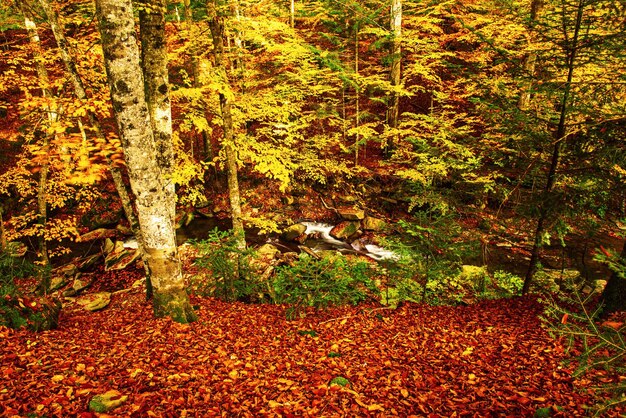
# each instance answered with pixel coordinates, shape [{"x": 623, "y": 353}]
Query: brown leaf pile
[{"x": 489, "y": 359}]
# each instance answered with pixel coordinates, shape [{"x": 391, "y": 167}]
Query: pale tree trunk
[
  {"x": 234, "y": 4},
  {"x": 216, "y": 25},
  {"x": 530, "y": 60},
  {"x": 560, "y": 135},
  {"x": 154, "y": 59},
  {"x": 79, "y": 91},
  {"x": 395, "y": 71},
  {"x": 51, "y": 112},
  {"x": 292, "y": 14},
  {"x": 357, "y": 139},
  {"x": 158, "y": 235}
]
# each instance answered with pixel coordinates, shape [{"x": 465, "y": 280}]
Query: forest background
[{"x": 454, "y": 133}]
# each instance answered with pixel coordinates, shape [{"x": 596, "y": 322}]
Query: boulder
[
  {"x": 107, "y": 401},
  {"x": 88, "y": 262},
  {"x": 100, "y": 233},
  {"x": 373, "y": 224},
  {"x": 351, "y": 214},
  {"x": 345, "y": 229},
  {"x": 294, "y": 231},
  {"x": 267, "y": 251},
  {"x": 123, "y": 229},
  {"x": 95, "y": 301},
  {"x": 120, "y": 257},
  {"x": 57, "y": 282},
  {"x": 77, "y": 287}
]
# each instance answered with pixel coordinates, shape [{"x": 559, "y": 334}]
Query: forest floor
[{"x": 493, "y": 358}]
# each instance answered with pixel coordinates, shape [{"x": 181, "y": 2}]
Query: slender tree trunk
[
  {"x": 530, "y": 60},
  {"x": 195, "y": 69},
  {"x": 216, "y": 25},
  {"x": 396, "y": 54},
  {"x": 158, "y": 236},
  {"x": 560, "y": 135},
  {"x": 79, "y": 91},
  {"x": 51, "y": 112},
  {"x": 193, "y": 42},
  {"x": 3, "y": 237},
  {"x": 292, "y": 14},
  {"x": 357, "y": 115},
  {"x": 614, "y": 294}
]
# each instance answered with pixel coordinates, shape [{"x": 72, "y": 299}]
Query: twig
[{"x": 328, "y": 207}]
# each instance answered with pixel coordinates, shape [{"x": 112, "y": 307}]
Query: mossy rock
[
  {"x": 340, "y": 381},
  {"x": 345, "y": 229},
  {"x": 107, "y": 401},
  {"x": 294, "y": 231}
]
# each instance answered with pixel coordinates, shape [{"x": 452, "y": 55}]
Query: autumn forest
[{"x": 312, "y": 208}]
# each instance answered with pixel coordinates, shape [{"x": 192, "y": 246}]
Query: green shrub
[
  {"x": 225, "y": 269},
  {"x": 16, "y": 309},
  {"x": 594, "y": 344},
  {"x": 431, "y": 252},
  {"x": 322, "y": 282},
  {"x": 509, "y": 284}
]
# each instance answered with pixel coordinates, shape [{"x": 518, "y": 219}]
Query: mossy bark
[{"x": 126, "y": 82}]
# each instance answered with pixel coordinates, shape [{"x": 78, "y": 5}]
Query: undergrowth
[
  {"x": 312, "y": 282},
  {"x": 596, "y": 344},
  {"x": 18, "y": 310}
]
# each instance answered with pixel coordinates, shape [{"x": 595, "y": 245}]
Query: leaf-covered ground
[{"x": 488, "y": 359}]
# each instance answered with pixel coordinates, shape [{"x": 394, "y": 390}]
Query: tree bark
[
  {"x": 530, "y": 60},
  {"x": 51, "y": 112},
  {"x": 121, "y": 56},
  {"x": 396, "y": 53},
  {"x": 3, "y": 237},
  {"x": 79, "y": 91},
  {"x": 544, "y": 209},
  {"x": 216, "y": 25},
  {"x": 195, "y": 70},
  {"x": 357, "y": 111},
  {"x": 154, "y": 59}
]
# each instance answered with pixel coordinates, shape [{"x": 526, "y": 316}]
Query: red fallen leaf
[
  {"x": 613, "y": 324},
  {"x": 604, "y": 251},
  {"x": 564, "y": 319}
]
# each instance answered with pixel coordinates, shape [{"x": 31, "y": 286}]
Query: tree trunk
[
  {"x": 614, "y": 294},
  {"x": 396, "y": 54},
  {"x": 357, "y": 115},
  {"x": 121, "y": 56},
  {"x": 195, "y": 70},
  {"x": 79, "y": 91},
  {"x": 3, "y": 237},
  {"x": 51, "y": 112},
  {"x": 154, "y": 59},
  {"x": 530, "y": 59},
  {"x": 560, "y": 135},
  {"x": 216, "y": 25}
]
